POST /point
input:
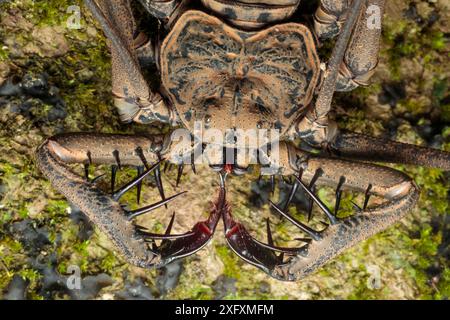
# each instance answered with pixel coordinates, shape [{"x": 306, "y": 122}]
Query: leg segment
[
  {"x": 104, "y": 209},
  {"x": 99, "y": 207},
  {"x": 366, "y": 148},
  {"x": 87, "y": 148},
  {"x": 345, "y": 71},
  {"x": 315, "y": 127},
  {"x": 361, "y": 57},
  {"x": 398, "y": 190},
  {"x": 329, "y": 18},
  {"x": 133, "y": 98},
  {"x": 161, "y": 9}
]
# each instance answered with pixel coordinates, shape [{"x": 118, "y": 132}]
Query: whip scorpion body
[{"x": 240, "y": 65}]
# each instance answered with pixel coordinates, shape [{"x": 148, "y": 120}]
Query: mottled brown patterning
[
  {"x": 227, "y": 78},
  {"x": 241, "y": 65}
]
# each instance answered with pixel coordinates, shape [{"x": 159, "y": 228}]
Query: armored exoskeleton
[{"x": 228, "y": 69}]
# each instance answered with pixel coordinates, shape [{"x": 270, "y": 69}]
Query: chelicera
[{"x": 230, "y": 66}]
